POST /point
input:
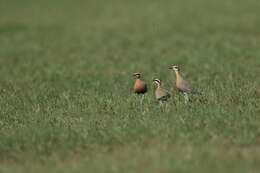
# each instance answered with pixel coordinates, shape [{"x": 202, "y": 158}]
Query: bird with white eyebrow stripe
[
  {"x": 182, "y": 85},
  {"x": 140, "y": 87},
  {"x": 161, "y": 94}
]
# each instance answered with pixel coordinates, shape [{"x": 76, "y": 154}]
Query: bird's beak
[{"x": 170, "y": 67}]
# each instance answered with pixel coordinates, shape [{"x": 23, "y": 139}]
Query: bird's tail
[{"x": 196, "y": 92}]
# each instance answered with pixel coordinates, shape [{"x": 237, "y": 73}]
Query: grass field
[{"x": 66, "y": 99}]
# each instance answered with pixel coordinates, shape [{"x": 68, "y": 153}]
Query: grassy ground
[{"x": 66, "y": 101}]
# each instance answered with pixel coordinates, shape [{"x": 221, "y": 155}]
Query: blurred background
[{"x": 66, "y": 98}]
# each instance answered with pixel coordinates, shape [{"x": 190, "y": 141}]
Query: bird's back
[
  {"x": 183, "y": 85},
  {"x": 161, "y": 94}
]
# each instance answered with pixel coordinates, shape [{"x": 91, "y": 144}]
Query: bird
[
  {"x": 181, "y": 84},
  {"x": 140, "y": 87},
  {"x": 161, "y": 94}
]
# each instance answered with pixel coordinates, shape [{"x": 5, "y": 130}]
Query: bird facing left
[{"x": 140, "y": 87}]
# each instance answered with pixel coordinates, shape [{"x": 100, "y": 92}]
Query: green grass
[{"x": 66, "y": 99}]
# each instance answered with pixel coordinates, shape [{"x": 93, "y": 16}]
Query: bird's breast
[{"x": 140, "y": 87}]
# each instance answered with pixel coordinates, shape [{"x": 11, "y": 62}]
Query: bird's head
[
  {"x": 157, "y": 82},
  {"x": 137, "y": 75},
  {"x": 176, "y": 68}
]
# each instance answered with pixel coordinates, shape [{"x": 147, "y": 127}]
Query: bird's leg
[
  {"x": 142, "y": 99},
  {"x": 161, "y": 103},
  {"x": 186, "y": 97},
  {"x": 166, "y": 107},
  {"x": 141, "y": 103}
]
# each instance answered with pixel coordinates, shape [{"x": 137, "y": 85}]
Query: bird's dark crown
[{"x": 157, "y": 80}]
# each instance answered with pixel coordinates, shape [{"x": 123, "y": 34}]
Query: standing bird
[
  {"x": 161, "y": 94},
  {"x": 182, "y": 85},
  {"x": 140, "y": 86}
]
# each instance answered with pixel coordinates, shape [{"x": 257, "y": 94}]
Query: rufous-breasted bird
[{"x": 140, "y": 86}]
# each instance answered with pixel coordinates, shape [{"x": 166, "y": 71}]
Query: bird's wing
[
  {"x": 189, "y": 89},
  {"x": 162, "y": 94},
  {"x": 186, "y": 87}
]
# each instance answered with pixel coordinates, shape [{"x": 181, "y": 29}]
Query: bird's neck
[
  {"x": 158, "y": 85},
  {"x": 138, "y": 81},
  {"x": 178, "y": 76}
]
